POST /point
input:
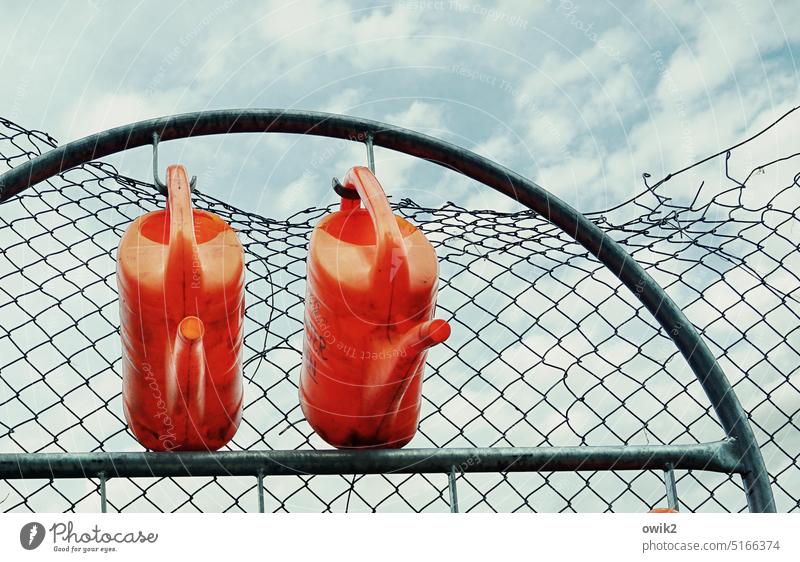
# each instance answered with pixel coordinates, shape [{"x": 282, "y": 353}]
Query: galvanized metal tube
[
  {"x": 451, "y": 486},
  {"x": 370, "y": 154},
  {"x": 261, "y": 491},
  {"x": 671, "y": 318},
  {"x": 719, "y": 456},
  {"x": 103, "y": 500},
  {"x": 672, "y": 487}
]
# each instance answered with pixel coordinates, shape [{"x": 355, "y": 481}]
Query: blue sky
[{"x": 581, "y": 96}]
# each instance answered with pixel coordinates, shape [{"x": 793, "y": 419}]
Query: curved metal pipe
[{"x": 716, "y": 386}]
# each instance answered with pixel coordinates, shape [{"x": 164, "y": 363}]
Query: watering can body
[
  {"x": 372, "y": 280},
  {"x": 180, "y": 275}
]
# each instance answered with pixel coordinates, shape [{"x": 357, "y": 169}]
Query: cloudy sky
[{"x": 581, "y": 96}]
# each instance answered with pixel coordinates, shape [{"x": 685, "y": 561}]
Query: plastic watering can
[
  {"x": 180, "y": 275},
  {"x": 371, "y": 293}
]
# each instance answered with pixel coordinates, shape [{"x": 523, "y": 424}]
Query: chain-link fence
[{"x": 547, "y": 348}]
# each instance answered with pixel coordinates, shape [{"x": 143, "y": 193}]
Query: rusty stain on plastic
[
  {"x": 180, "y": 274},
  {"x": 372, "y": 279}
]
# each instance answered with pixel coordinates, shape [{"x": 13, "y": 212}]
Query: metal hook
[
  {"x": 342, "y": 191},
  {"x": 370, "y": 153},
  {"x": 161, "y": 187},
  {"x": 349, "y": 192}
]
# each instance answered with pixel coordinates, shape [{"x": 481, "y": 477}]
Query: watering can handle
[
  {"x": 183, "y": 251},
  {"x": 391, "y": 257},
  {"x": 184, "y": 277}
]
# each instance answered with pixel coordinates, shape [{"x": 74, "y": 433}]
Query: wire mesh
[{"x": 547, "y": 349}]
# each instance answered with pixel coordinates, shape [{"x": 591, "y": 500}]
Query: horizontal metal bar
[{"x": 715, "y": 457}]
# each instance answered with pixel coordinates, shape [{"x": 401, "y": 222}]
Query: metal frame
[{"x": 738, "y": 453}]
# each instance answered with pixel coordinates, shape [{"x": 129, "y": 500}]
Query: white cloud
[
  {"x": 726, "y": 43},
  {"x": 303, "y": 35},
  {"x": 345, "y": 101},
  {"x": 420, "y": 116},
  {"x": 584, "y": 115},
  {"x": 104, "y": 110}
]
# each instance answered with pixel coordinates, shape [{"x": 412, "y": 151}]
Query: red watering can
[
  {"x": 180, "y": 274},
  {"x": 371, "y": 292}
]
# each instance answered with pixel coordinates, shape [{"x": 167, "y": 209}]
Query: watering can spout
[
  {"x": 424, "y": 335},
  {"x": 397, "y": 377},
  {"x": 427, "y": 334},
  {"x": 188, "y": 364}
]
